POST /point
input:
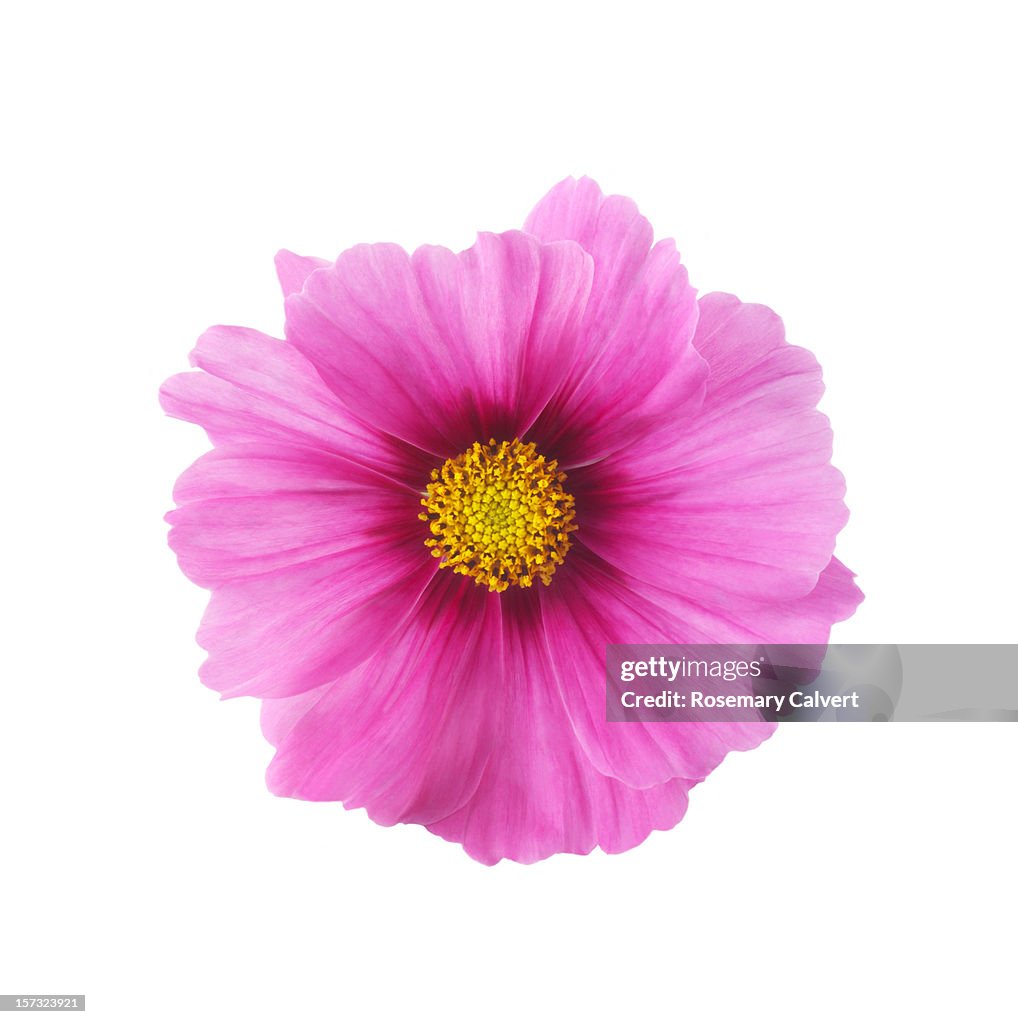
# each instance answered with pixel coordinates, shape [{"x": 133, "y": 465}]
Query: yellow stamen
[{"x": 498, "y": 513}]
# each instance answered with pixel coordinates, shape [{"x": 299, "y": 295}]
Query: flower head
[{"x": 460, "y": 476}]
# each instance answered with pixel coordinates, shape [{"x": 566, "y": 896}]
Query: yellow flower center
[{"x": 498, "y": 513}]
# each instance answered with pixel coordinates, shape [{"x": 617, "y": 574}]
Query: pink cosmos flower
[{"x": 461, "y": 476}]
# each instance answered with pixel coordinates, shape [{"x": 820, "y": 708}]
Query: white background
[{"x": 851, "y": 166}]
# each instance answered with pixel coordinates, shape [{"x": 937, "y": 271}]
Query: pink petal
[
  {"x": 407, "y": 735},
  {"x": 269, "y": 467},
  {"x": 590, "y": 606},
  {"x": 744, "y": 504},
  {"x": 638, "y": 371},
  {"x": 539, "y": 795},
  {"x": 293, "y": 270},
  {"x": 805, "y": 620},
  {"x": 801, "y": 620},
  {"x": 250, "y": 509},
  {"x": 441, "y": 350},
  {"x": 512, "y": 309},
  {"x": 298, "y": 627},
  {"x": 257, "y": 389},
  {"x": 615, "y": 234}
]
